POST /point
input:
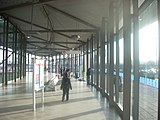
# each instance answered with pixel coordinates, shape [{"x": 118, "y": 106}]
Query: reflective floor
[{"x": 16, "y": 103}]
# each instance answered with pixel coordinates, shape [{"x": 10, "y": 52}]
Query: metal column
[
  {"x": 24, "y": 56},
  {"x": 20, "y": 60},
  {"x": 158, "y": 6},
  {"x": 102, "y": 63},
  {"x": 127, "y": 59},
  {"x": 64, "y": 59},
  {"x": 91, "y": 57},
  {"x": 58, "y": 67},
  {"x": 28, "y": 63},
  {"x": 52, "y": 63},
  {"x": 6, "y": 53},
  {"x": 15, "y": 57},
  {"x": 111, "y": 53},
  {"x": 4, "y": 36},
  {"x": 18, "y": 65},
  {"x": 56, "y": 64},
  {"x": 24, "y": 59},
  {"x": 135, "y": 106},
  {"x": 117, "y": 52},
  {"x": 108, "y": 57},
  {"x": 75, "y": 64},
  {"x": 95, "y": 59},
  {"x": 13, "y": 54},
  {"x": 97, "y": 72},
  {"x": 87, "y": 58},
  {"x": 84, "y": 58},
  {"x": 79, "y": 62},
  {"x": 49, "y": 64},
  {"x": 71, "y": 63}
]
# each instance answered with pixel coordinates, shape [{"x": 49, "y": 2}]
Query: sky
[{"x": 148, "y": 44}]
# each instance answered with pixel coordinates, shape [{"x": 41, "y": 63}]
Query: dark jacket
[
  {"x": 66, "y": 83},
  {"x": 88, "y": 71}
]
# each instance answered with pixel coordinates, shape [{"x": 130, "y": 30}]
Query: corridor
[{"x": 84, "y": 103}]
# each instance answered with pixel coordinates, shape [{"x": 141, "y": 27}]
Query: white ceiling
[{"x": 51, "y": 23}]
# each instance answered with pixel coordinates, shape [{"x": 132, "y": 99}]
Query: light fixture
[
  {"x": 140, "y": 19},
  {"x": 75, "y": 37},
  {"x": 28, "y": 37}
]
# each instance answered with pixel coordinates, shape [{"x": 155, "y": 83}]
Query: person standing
[
  {"x": 88, "y": 75},
  {"x": 61, "y": 71},
  {"x": 66, "y": 85}
]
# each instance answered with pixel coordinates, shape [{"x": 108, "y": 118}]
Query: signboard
[
  {"x": 38, "y": 79},
  {"x": 39, "y": 74},
  {"x": 71, "y": 52}
]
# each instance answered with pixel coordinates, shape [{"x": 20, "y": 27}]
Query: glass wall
[
  {"x": 99, "y": 66},
  {"x": 106, "y": 83},
  {"x": 94, "y": 66},
  {"x": 148, "y": 59},
  {"x": 11, "y": 50},
  {"x": 121, "y": 65},
  {"x": 1, "y": 47}
]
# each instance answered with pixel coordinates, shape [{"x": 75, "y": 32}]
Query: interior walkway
[{"x": 84, "y": 103}]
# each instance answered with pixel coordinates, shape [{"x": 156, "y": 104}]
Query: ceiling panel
[{"x": 53, "y": 24}]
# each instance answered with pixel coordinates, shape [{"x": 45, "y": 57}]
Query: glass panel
[
  {"x": 140, "y": 2},
  {"x": 10, "y": 51},
  {"x": 115, "y": 85},
  {"x": 99, "y": 67},
  {"x": 108, "y": 62},
  {"x": 106, "y": 83},
  {"x": 121, "y": 65},
  {"x": 9, "y": 69},
  {"x": 73, "y": 63},
  {"x": 81, "y": 66},
  {"x": 95, "y": 62},
  {"x": 148, "y": 68},
  {"x": 77, "y": 66},
  {"x": 1, "y": 48}
]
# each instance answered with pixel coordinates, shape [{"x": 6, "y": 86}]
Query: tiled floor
[{"x": 84, "y": 104}]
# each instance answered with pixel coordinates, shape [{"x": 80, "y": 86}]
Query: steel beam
[
  {"x": 144, "y": 5},
  {"x": 52, "y": 42},
  {"x": 48, "y": 42},
  {"x": 65, "y": 30},
  {"x": 3, "y": 9},
  {"x": 25, "y": 21},
  {"x": 73, "y": 17}
]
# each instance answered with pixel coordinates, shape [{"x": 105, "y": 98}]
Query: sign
[
  {"x": 73, "y": 52},
  {"x": 38, "y": 80},
  {"x": 39, "y": 74}
]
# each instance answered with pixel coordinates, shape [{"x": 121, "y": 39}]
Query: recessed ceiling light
[
  {"x": 75, "y": 37},
  {"x": 28, "y": 37}
]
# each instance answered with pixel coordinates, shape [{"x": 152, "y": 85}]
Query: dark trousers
[
  {"x": 88, "y": 80},
  {"x": 65, "y": 93}
]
